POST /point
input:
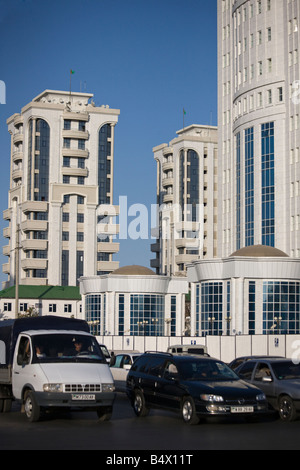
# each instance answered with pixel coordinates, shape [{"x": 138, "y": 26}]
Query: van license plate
[
  {"x": 242, "y": 409},
  {"x": 81, "y": 397}
]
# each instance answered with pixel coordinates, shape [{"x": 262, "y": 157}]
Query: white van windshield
[{"x": 66, "y": 348}]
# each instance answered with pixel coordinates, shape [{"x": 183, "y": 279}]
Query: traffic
[{"x": 51, "y": 363}]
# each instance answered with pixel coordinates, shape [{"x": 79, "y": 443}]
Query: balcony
[
  {"x": 167, "y": 182},
  {"x": 17, "y": 174},
  {"x": 76, "y": 116},
  {"x": 34, "y": 225},
  {"x": 75, "y": 134},
  {"x": 7, "y": 232},
  {"x": 69, "y": 171},
  {"x": 34, "y": 263},
  {"x": 7, "y": 214},
  {"x": 17, "y": 138},
  {"x": 79, "y": 153},
  {"x": 111, "y": 247},
  {"x": 28, "y": 245},
  {"x": 17, "y": 156},
  {"x": 35, "y": 206},
  {"x": 108, "y": 266}
]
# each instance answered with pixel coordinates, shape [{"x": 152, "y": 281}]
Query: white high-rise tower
[
  {"x": 259, "y": 127},
  {"x": 61, "y": 188}
]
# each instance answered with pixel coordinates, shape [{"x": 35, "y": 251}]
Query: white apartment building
[
  {"x": 187, "y": 199},
  {"x": 259, "y": 126},
  {"x": 61, "y": 189}
]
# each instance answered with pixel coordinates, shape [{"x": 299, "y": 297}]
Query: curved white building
[
  {"x": 134, "y": 301},
  {"x": 256, "y": 290},
  {"x": 259, "y": 138}
]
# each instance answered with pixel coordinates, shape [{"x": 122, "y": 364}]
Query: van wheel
[
  {"x": 32, "y": 409},
  {"x": 139, "y": 404},
  {"x": 104, "y": 414},
  {"x": 188, "y": 411},
  {"x": 287, "y": 410}
]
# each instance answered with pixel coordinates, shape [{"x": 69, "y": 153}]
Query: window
[
  {"x": 67, "y": 124},
  {"x": 81, "y": 125},
  {"x": 80, "y": 236},
  {"x": 68, "y": 308},
  {"x": 67, "y": 143},
  {"x": 7, "y": 307},
  {"x": 80, "y": 218},
  {"x": 52, "y": 308},
  {"x": 66, "y": 162},
  {"x": 81, "y": 144},
  {"x": 65, "y": 236}
]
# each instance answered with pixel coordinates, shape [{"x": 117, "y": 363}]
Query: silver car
[
  {"x": 119, "y": 366},
  {"x": 279, "y": 379}
]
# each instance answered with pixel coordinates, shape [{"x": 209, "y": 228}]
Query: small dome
[
  {"x": 260, "y": 251},
  {"x": 134, "y": 271}
]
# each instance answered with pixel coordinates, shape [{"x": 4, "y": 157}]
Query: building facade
[
  {"x": 259, "y": 138},
  {"x": 255, "y": 291},
  {"x": 186, "y": 199},
  {"x": 134, "y": 301},
  {"x": 61, "y": 191}
]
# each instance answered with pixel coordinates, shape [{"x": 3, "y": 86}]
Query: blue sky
[{"x": 148, "y": 58}]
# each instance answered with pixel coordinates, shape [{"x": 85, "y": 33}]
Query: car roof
[{"x": 180, "y": 357}]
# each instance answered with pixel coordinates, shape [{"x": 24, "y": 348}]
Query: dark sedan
[
  {"x": 193, "y": 386},
  {"x": 280, "y": 381}
]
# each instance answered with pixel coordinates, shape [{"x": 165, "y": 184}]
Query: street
[{"x": 159, "y": 431}]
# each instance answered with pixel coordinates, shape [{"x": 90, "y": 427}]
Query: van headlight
[
  {"x": 53, "y": 387},
  {"x": 212, "y": 398},
  {"x": 108, "y": 387}
]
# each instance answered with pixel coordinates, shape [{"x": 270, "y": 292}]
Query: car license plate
[
  {"x": 242, "y": 409},
  {"x": 82, "y": 397}
]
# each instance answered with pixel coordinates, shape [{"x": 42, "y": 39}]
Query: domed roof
[
  {"x": 260, "y": 251},
  {"x": 134, "y": 270}
]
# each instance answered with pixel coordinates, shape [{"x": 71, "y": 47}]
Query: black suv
[{"x": 191, "y": 385}]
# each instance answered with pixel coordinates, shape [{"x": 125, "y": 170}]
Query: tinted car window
[
  {"x": 140, "y": 364},
  {"x": 286, "y": 370},
  {"x": 148, "y": 365},
  {"x": 246, "y": 370},
  {"x": 155, "y": 366}
]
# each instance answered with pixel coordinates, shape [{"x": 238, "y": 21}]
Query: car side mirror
[{"x": 267, "y": 379}]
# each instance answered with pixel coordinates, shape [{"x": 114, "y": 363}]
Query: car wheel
[
  {"x": 32, "y": 409},
  {"x": 287, "y": 410},
  {"x": 139, "y": 404},
  {"x": 188, "y": 411}
]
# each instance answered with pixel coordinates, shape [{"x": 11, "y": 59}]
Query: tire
[
  {"x": 139, "y": 404},
  {"x": 287, "y": 410},
  {"x": 188, "y": 411},
  {"x": 104, "y": 414},
  {"x": 32, "y": 409}
]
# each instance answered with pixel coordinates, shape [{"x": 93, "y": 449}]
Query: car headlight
[
  {"x": 108, "y": 387},
  {"x": 53, "y": 387},
  {"x": 212, "y": 398},
  {"x": 261, "y": 397}
]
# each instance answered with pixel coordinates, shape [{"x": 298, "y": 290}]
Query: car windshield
[
  {"x": 286, "y": 370},
  {"x": 66, "y": 348},
  {"x": 195, "y": 369}
]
